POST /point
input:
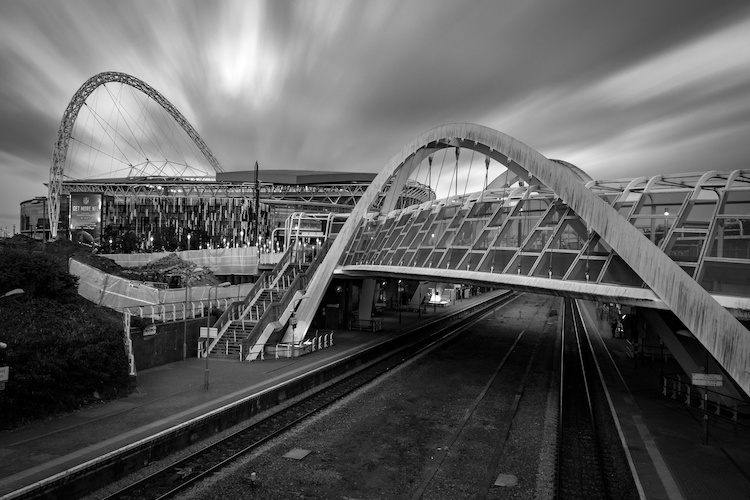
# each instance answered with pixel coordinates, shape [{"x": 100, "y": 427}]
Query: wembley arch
[{"x": 68, "y": 120}]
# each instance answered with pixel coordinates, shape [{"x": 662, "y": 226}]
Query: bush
[
  {"x": 38, "y": 274},
  {"x": 60, "y": 356},
  {"x": 63, "y": 351}
]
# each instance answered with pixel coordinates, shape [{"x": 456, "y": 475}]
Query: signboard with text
[
  {"x": 211, "y": 333},
  {"x": 707, "y": 379},
  {"x": 86, "y": 217}
]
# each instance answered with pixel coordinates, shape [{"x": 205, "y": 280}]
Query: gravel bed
[{"x": 410, "y": 430}]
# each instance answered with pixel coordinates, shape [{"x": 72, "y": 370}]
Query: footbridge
[{"x": 678, "y": 244}]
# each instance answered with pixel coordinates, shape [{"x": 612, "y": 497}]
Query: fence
[
  {"x": 140, "y": 299},
  {"x": 289, "y": 350},
  {"x": 698, "y": 397},
  {"x": 243, "y": 260}
]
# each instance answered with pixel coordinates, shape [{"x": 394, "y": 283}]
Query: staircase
[
  {"x": 229, "y": 346},
  {"x": 247, "y": 325},
  {"x": 274, "y": 323}
]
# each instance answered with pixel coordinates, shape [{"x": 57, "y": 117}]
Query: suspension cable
[{"x": 471, "y": 163}]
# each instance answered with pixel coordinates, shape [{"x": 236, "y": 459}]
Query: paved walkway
[{"x": 664, "y": 437}]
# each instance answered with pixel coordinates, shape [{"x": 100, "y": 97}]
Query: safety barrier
[
  {"x": 289, "y": 350},
  {"x": 241, "y": 308},
  {"x": 176, "y": 311},
  {"x": 238, "y": 260},
  {"x": 653, "y": 351},
  {"x": 140, "y": 299},
  {"x": 688, "y": 394},
  {"x": 277, "y": 309}
]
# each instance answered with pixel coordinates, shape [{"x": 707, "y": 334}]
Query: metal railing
[
  {"x": 287, "y": 349},
  {"x": 700, "y": 397},
  {"x": 175, "y": 311},
  {"x": 237, "y": 310},
  {"x": 273, "y": 313}
]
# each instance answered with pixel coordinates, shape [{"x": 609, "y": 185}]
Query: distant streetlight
[
  {"x": 188, "y": 238},
  {"x": 208, "y": 328}
]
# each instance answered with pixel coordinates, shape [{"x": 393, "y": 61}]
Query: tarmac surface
[{"x": 664, "y": 437}]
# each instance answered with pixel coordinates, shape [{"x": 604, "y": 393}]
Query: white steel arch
[
  {"x": 722, "y": 335},
  {"x": 69, "y": 118}
]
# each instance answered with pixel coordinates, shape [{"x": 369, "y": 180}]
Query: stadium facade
[{"x": 233, "y": 210}]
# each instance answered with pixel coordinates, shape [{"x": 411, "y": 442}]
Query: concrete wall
[{"x": 165, "y": 346}]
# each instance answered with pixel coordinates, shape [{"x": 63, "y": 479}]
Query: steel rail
[{"x": 175, "y": 478}]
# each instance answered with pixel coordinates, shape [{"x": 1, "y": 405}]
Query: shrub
[
  {"x": 38, "y": 274},
  {"x": 60, "y": 355},
  {"x": 61, "y": 348}
]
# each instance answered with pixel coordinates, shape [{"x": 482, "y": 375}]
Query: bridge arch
[
  {"x": 68, "y": 120},
  {"x": 722, "y": 334}
]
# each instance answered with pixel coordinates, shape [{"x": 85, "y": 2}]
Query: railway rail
[
  {"x": 481, "y": 407},
  {"x": 509, "y": 382},
  {"x": 591, "y": 460},
  {"x": 195, "y": 468},
  {"x": 177, "y": 477}
]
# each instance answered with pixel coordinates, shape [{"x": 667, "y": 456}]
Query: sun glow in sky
[{"x": 618, "y": 88}]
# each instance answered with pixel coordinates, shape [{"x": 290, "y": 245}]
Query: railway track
[
  {"x": 591, "y": 463},
  {"x": 509, "y": 383},
  {"x": 450, "y": 414},
  {"x": 178, "y": 477}
]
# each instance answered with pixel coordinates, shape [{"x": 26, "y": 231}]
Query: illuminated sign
[{"x": 86, "y": 217}]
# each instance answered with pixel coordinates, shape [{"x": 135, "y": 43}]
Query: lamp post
[
  {"x": 184, "y": 322},
  {"x": 208, "y": 328},
  {"x": 666, "y": 222},
  {"x": 399, "y": 301}
]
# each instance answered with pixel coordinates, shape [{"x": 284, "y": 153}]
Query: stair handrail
[
  {"x": 226, "y": 318},
  {"x": 272, "y": 313}
]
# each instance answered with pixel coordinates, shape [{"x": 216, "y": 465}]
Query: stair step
[{"x": 224, "y": 356}]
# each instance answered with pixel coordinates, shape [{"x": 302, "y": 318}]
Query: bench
[{"x": 373, "y": 325}]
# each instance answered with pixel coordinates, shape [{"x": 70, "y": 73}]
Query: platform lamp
[
  {"x": 184, "y": 315},
  {"x": 184, "y": 322},
  {"x": 208, "y": 327},
  {"x": 398, "y": 296}
]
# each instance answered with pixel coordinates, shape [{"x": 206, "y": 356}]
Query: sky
[{"x": 620, "y": 89}]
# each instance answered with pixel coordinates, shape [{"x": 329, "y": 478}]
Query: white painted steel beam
[{"x": 715, "y": 327}]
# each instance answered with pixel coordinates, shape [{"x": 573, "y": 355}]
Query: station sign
[
  {"x": 707, "y": 379},
  {"x": 211, "y": 333}
]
